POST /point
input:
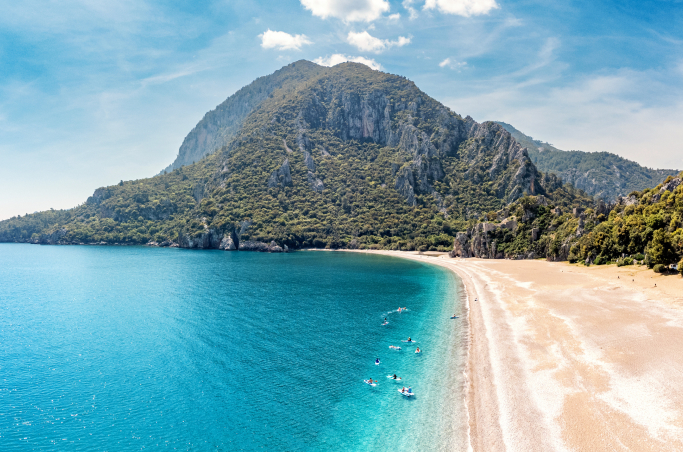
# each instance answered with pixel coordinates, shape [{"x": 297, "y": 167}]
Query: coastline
[{"x": 564, "y": 357}]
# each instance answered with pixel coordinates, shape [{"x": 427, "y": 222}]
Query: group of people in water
[{"x": 404, "y": 391}]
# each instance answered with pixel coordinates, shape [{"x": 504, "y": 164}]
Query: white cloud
[
  {"x": 396, "y": 16},
  {"x": 412, "y": 12},
  {"x": 338, "y": 58},
  {"x": 365, "y": 42},
  {"x": 347, "y": 10},
  {"x": 283, "y": 41},
  {"x": 462, "y": 7},
  {"x": 453, "y": 64}
]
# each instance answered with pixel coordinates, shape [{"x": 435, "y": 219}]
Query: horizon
[{"x": 96, "y": 94}]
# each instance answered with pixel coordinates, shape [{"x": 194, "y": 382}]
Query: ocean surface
[{"x": 132, "y": 348}]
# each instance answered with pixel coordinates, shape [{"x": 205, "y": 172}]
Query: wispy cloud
[
  {"x": 282, "y": 41},
  {"x": 453, "y": 64},
  {"x": 365, "y": 42},
  {"x": 339, "y": 58},
  {"x": 465, "y": 8}
]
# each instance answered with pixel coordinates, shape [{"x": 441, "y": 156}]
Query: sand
[{"x": 564, "y": 357}]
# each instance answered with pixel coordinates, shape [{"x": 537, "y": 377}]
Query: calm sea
[{"x": 131, "y": 348}]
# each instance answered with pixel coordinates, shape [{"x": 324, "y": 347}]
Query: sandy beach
[{"x": 564, "y": 357}]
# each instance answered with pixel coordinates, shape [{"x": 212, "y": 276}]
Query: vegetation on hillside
[
  {"x": 601, "y": 174},
  {"x": 646, "y": 226}
]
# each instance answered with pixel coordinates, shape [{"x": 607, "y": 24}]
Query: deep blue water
[{"x": 130, "y": 348}]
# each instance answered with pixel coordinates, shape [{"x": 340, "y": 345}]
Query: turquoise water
[{"x": 130, "y": 348}]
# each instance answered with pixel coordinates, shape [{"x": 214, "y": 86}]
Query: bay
[{"x": 125, "y": 348}]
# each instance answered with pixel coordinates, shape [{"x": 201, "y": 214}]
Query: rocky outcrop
[
  {"x": 476, "y": 242},
  {"x": 227, "y": 243},
  {"x": 316, "y": 184},
  {"x": 210, "y": 239},
  {"x": 281, "y": 177},
  {"x": 248, "y": 245}
]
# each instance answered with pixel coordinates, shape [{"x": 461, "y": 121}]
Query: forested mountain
[
  {"x": 601, "y": 174},
  {"x": 644, "y": 227},
  {"x": 312, "y": 157}
]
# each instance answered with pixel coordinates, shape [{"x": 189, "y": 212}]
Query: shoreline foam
[{"x": 563, "y": 357}]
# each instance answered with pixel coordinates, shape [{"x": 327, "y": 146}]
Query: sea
[{"x": 133, "y": 348}]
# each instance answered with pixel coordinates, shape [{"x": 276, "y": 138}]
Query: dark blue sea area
[{"x": 134, "y": 348}]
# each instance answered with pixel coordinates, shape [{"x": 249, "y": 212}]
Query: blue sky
[{"x": 94, "y": 92}]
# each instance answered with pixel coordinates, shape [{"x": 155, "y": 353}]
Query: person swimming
[
  {"x": 395, "y": 377},
  {"x": 377, "y": 361},
  {"x": 418, "y": 350}
]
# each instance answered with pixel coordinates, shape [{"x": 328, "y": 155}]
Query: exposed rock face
[
  {"x": 315, "y": 183},
  {"x": 210, "y": 239},
  {"x": 281, "y": 176},
  {"x": 476, "y": 242},
  {"x": 405, "y": 183},
  {"x": 219, "y": 126},
  {"x": 248, "y": 245},
  {"x": 227, "y": 243},
  {"x": 52, "y": 238},
  {"x": 491, "y": 151},
  {"x": 308, "y": 161}
]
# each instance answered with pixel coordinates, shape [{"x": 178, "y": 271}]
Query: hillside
[
  {"x": 645, "y": 227},
  {"x": 220, "y": 125},
  {"x": 331, "y": 157},
  {"x": 601, "y": 174}
]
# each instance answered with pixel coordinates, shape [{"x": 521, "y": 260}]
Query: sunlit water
[{"x": 130, "y": 348}]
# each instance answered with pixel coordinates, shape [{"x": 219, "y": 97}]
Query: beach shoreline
[{"x": 565, "y": 357}]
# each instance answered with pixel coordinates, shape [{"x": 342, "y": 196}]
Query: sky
[{"x": 95, "y": 92}]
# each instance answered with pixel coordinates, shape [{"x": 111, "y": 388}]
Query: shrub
[
  {"x": 680, "y": 267},
  {"x": 659, "y": 268},
  {"x": 625, "y": 261},
  {"x": 600, "y": 260},
  {"x": 639, "y": 257}
]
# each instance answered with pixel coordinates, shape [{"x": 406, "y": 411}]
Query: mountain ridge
[{"x": 601, "y": 174}]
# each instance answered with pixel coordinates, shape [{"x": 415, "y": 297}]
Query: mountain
[
  {"x": 601, "y": 174},
  {"x": 315, "y": 157},
  {"x": 218, "y": 126}
]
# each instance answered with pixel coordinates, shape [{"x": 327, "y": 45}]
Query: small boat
[
  {"x": 409, "y": 342},
  {"x": 385, "y": 323},
  {"x": 454, "y": 317},
  {"x": 406, "y": 393},
  {"x": 370, "y": 382},
  {"x": 393, "y": 347}
]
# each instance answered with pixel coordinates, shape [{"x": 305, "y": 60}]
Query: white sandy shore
[{"x": 563, "y": 357}]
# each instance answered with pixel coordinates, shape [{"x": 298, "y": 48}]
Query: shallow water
[{"x": 124, "y": 348}]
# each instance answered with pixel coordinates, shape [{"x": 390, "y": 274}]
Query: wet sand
[{"x": 564, "y": 357}]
